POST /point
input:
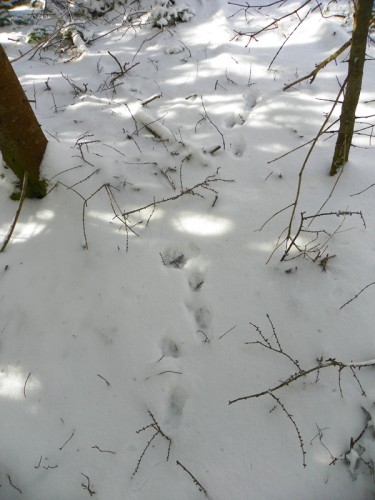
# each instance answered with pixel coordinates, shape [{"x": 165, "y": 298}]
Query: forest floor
[{"x": 145, "y": 294}]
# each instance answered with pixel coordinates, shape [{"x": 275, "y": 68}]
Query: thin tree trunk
[
  {"x": 22, "y": 142},
  {"x": 362, "y": 21}
]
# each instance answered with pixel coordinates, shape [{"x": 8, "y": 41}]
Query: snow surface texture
[{"x": 112, "y": 324}]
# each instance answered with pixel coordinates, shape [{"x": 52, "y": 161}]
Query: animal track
[
  {"x": 178, "y": 257},
  {"x": 175, "y": 406},
  {"x": 202, "y": 316},
  {"x": 196, "y": 280},
  {"x": 169, "y": 348},
  {"x": 249, "y": 101},
  {"x": 183, "y": 257},
  {"x": 238, "y": 147},
  {"x": 234, "y": 119},
  {"x": 201, "y": 313},
  {"x": 174, "y": 258}
]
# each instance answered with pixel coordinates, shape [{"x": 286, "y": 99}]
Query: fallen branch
[
  {"x": 301, "y": 373},
  {"x": 320, "y": 66}
]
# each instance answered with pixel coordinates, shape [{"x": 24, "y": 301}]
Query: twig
[
  {"x": 134, "y": 120},
  {"x": 228, "y": 331},
  {"x": 40, "y": 45},
  {"x": 143, "y": 454},
  {"x": 206, "y": 184},
  {"x": 13, "y": 485},
  {"x": 86, "y": 178},
  {"x": 363, "y": 190},
  {"x": 123, "y": 69},
  {"x": 212, "y": 123},
  {"x": 319, "y": 248},
  {"x": 319, "y": 435},
  {"x": 272, "y": 216},
  {"x": 67, "y": 441},
  {"x": 357, "y": 295},
  {"x": 187, "y": 48},
  {"x": 325, "y": 364},
  {"x": 195, "y": 480},
  {"x": 88, "y": 485},
  {"x": 272, "y": 25},
  {"x": 24, "y": 387},
  {"x": 206, "y": 339},
  {"x": 214, "y": 149},
  {"x": 96, "y": 447},
  {"x": 267, "y": 344},
  {"x": 282, "y": 406},
  {"x": 169, "y": 371},
  {"x": 353, "y": 441},
  {"x": 287, "y": 38},
  {"x": 290, "y": 151},
  {"x": 22, "y": 197},
  {"x": 320, "y": 66},
  {"x": 329, "y": 196},
  {"x": 105, "y": 380},
  {"x": 150, "y": 99},
  {"x": 158, "y": 431},
  {"x": 77, "y": 90}
]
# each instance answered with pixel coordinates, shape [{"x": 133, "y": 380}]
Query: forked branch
[{"x": 273, "y": 344}]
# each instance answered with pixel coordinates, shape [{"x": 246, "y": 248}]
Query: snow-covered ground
[{"x": 124, "y": 337}]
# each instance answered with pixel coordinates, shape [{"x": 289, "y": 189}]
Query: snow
[{"x": 112, "y": 324}]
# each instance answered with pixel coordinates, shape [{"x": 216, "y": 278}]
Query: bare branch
[
  {"x": 320, "y": 66},
  {"x": 357, "y": 295},
  {"x": 196, "y": 482},
  {"x": 22, "y": 197},
  {"x": 282, "y": 406}
]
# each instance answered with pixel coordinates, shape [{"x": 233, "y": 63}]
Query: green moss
[
  {"x": 36, "y": 190},
  {"x": 37, "y": 35}
]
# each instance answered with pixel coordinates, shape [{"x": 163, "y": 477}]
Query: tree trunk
[
  {"x": 22, "y": 142},
  {"x": 362, "y": 21}
]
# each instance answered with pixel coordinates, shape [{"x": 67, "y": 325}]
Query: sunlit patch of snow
[
  {"x": 29, "y": 229},
  {"x": 261, "y": 246},
  {"x": 203, "y": 225},
  {"x": 15, "y": 383},
  {"x": 110, "y": 216},
  {"x": 24, "y": 231},
  {"x": 45, "y": 215}
]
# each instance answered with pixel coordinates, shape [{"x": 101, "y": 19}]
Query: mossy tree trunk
[
  {"x": 22, "y": 142},
  {"x": 362, "y": 22}
]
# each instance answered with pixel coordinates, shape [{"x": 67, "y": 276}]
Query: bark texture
[
  {"x": 22, "y": 142},
  {"x": 362, "y": 22}
]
